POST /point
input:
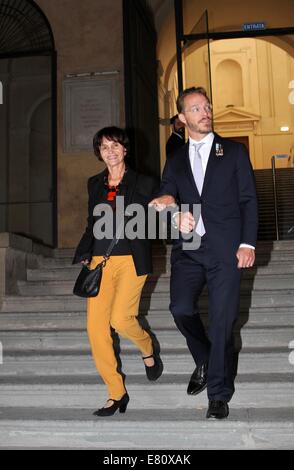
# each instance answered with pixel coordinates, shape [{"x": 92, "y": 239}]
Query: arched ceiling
[{"x": 23, "y": 28}]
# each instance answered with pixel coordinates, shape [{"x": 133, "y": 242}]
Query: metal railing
[
  {"x": 274, "y": 158},
  {"x": 291, "y": 157}
]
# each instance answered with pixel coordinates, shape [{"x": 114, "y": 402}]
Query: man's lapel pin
[{"x": 219, "y": 151}]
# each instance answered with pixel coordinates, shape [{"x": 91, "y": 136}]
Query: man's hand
[
  {"x": 160, "y": 203},
  {"x": 246, "y": 257},
  {"x": 185, "y": 221}
]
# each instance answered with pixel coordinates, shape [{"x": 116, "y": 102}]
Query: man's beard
[{"x": 201, "y": 130}]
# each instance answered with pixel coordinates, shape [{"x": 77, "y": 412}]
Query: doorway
[
  {"x": 141, "y": 86},
  {"x": 28, "y": 198},
  {"x": 247, "y": 76},
  {"x": 250, "y": 80},
  {"x": 242, "y": 140}
]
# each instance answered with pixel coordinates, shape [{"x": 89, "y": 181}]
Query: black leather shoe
[
  {"x": 120, "y": 405},
  {"x": 217, "y": 409},
  {"x": 155, "y": 371},
  {"x": 198, "y": 381}
]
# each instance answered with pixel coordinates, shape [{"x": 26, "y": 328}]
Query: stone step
[
  {"x": 246, "y": 428},
  {"x": 158, "y": 301},
  {"x": 160, "y": 269},
  {"x": 136, "y": 379},
  {"x": 159, "y": 319},
  {"x": 50, "y": 385},
  {"x": 283, "y": 182},
  {"x": 262, "y": 259},
  {"x": 285, "y": 224},
  {"x": 267, "y": 233},
  {"x": 283, "y": 199},
  {"x": 82, "y": 364},
  {"x": 285, "y": 213},
  {"x": 159, "y": 396},
  {"x": 264, "y": 247},
  {"x": 280, "y": 245},
  {"x": 284, "y": 195},
  {"x": 164, "y": 255},
  {"x": 42, "y": 341},
  {"x": 267, "y": 182},
  {"x": 161, "y": 285}
]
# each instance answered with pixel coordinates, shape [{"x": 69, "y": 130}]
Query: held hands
[
  {"x": 185, "y": 222},
  {"x": 85, "y": 262},
  {"x": 160, "y": 203},
  {"x": 246, "y": 257}
]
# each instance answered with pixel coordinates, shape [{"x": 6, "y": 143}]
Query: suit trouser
[
  {"x": 190, "y": 271},
  {"x": 115, "y": 306}
]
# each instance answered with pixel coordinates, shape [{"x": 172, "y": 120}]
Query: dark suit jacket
[
  {"x": 174, "y": 143},
  {"x": 228, "y": 200},
  {"x": 140, "y": 189}
]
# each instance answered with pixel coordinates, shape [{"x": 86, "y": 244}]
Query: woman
[{"x": 125, "y": 272}]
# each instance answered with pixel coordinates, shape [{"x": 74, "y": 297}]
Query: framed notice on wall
[{"x": 90, "y": 103}]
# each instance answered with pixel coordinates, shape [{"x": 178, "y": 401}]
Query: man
[
  {"x": 216, "y": 174},
  {"x": 177, "y": 137}
]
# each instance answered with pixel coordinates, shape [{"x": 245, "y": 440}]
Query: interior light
[{"x": 284, "y": 129}]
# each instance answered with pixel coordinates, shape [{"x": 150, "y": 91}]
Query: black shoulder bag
[{"x": 89, "y": 280}]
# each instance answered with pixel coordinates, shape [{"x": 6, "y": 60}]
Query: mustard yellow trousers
[{"x": 115, "y": 306}]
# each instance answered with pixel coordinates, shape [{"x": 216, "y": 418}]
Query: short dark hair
[
  {"x": 190, "y": 91},
  {"x": 116, "y": 134},
  {"x": 172, "y": 119}
]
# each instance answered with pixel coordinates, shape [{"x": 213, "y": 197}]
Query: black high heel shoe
[
  {"x": 120, "y": 405},
  {"x": 155, "y": 371}
]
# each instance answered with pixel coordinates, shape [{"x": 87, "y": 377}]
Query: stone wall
[
  {"x": 88, "y": 37},
  {"x": 17, "y": 254}
]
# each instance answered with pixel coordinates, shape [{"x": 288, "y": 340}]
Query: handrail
[
  {"x": 291, "y": 157},
  {"x": 274, "y": 157}
]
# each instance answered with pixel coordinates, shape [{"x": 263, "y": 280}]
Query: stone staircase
[
  {"x": 49, "y": 385},
  {"x": 285, "y": 203}
]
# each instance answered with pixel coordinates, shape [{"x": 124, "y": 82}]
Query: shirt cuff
[
  {"x": 244, "y": 245},
  {"x": 173, "y": 220}
]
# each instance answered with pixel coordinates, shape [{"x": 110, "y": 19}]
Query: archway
[
  {"x": 28, "y": 75},
  {"x": 254, "y": 103}
]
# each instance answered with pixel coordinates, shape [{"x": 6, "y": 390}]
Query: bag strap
[
  {"x": 118, "y": 231},
  {"x": 114, "y": 241}
]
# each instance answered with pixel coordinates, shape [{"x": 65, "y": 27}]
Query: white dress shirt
[{"x": 205, "y": 152}]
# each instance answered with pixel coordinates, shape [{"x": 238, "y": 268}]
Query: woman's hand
[
  {"x": 85, "y": 262},
  {"x": 161, "y": 203}
]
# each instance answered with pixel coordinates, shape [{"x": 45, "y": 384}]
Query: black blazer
[
  {"x": 228, "y": 200},
  {"x": 174, "y": 143},
  {"x": 140, "y": 189}
]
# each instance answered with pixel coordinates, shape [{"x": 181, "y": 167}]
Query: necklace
[
  {"x": 112, "y": 192},
  {"x": 114, "y": 187}
]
